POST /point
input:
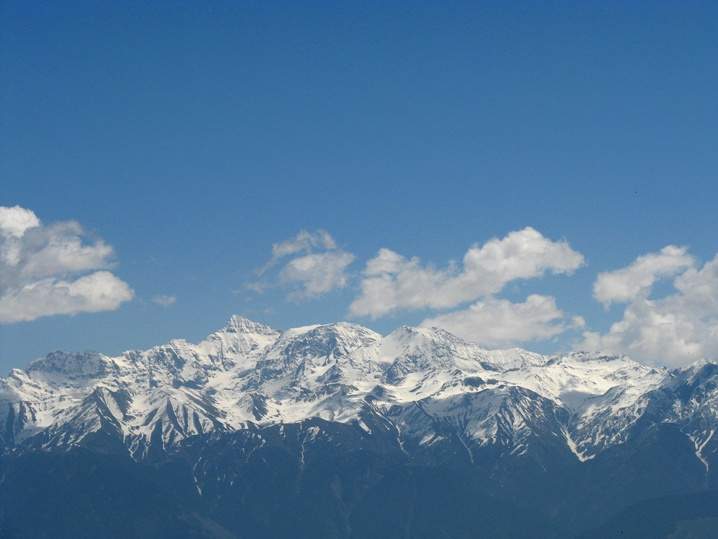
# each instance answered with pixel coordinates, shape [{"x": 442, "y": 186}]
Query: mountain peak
[
  {"x": 70, "y": 363},
  {"x": 344, "y": 329},
  {"x": 249, "y": 372},
  {"x": 240, "y": 324}
]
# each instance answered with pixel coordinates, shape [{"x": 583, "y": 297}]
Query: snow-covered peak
[
  {"x": 240, "y": 324},
  {"x": 240, "y": 338},
  {"x": 409, "y": 336},
  {"x": 248, "y": 372},
  {"x": 336, "y": 339},
  {"x": 412, "y": 342},
  {"x": 513, "y": 359},
  {"x": 582, "y": 382},
  {"x": 71, "y": 365},
  {"x": 696, "y": 372}
]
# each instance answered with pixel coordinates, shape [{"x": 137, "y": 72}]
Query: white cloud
[
  {"x": 312, "y": 266},
  {"x": 392, "y": 282},
  {"x": 52, "y": 269},
  {"x": 303, "y": 242},
  {"x": 317, "y": 274},
  {"x": 99, "y": 291},
  {"x": 628, "y": 283},
  {"x": 15, "y": 221},
  {"x": 674, "y": 330},
  {"x": 164, "y": 300},
  {"x": 61, "y": 249},
  {"x": 498, "y": 322}
]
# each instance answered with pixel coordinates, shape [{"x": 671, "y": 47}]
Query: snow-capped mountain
[
  {"x": 349, "y": 433},
  {"x": 429, "y": 388}
]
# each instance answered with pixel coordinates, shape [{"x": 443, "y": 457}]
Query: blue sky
[{"x": 191, "y": 137}]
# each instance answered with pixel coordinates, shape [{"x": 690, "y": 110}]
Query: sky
[{"x": 534, "y": 174}]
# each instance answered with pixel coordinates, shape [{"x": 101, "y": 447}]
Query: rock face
[{"x": 342, "y": 403}]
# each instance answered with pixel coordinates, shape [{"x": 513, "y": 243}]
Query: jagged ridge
[{"x": 427, "y": 387}]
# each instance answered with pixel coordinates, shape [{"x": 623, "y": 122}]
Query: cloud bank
[
  {"x": 499, "y": 323},
  {"x": 673, "y": 330},
  {"x": 53, "y": 269},
  {"x": 636, "y": 279},
  {"x": 392, "y": 282}
]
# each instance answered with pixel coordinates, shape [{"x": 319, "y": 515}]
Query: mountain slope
[
  {"x": 341, "y": 423},
  {"x": 418, "y": 379}
]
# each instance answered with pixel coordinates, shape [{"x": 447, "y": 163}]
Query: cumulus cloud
[
  {"x": 303, "y": 242},
  {"x": 164, "y": 300},
  {"x": 98, "y": 291},
  {"x": 628, "y": 283},
  {"x": 311, "y": 265},
  {"x": 499, "y": 322},
  {"x": 392, "y": 282},
  {"x": 53, "y": 269},
  {"x": 15, "y": 221},
  {"x": 673, "y": 330},
  {"x": 317, "y": 274}
]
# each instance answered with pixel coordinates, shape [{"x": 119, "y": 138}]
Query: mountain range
[{"x": 337, "y": 431}]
